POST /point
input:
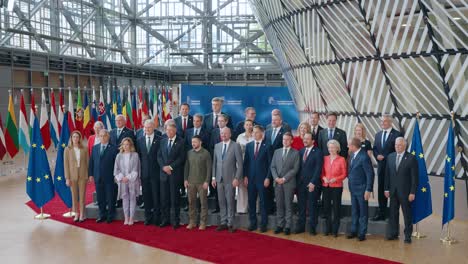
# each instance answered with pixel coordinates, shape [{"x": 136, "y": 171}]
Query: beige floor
[{"x": 25, "y": 240}]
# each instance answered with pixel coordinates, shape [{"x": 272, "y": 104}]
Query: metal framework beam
[{"x": 78, "y": 32}]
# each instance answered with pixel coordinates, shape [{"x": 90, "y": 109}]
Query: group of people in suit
[{"x": 264, "y": 167}]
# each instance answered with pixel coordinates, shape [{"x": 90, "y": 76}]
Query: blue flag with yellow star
[
  {"x": 59, "y": 174},
  {"x": 39, "y": 185},
  {"x": 422, "y": 204},
  {"x": 449, "y": 180}
]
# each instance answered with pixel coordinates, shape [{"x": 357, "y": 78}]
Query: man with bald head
[
  {"x": 401, "y": 182},
  {"x": 227, "y": 172}
]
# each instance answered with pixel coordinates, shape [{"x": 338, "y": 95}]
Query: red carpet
[{"x": 209, "y": 245}]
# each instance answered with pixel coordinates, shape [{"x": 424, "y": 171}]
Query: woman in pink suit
[
  {"x": 127, "y": 176},
  {"x": 333, "y": 174}
]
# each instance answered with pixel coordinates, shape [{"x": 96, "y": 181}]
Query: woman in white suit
[
  {"x": 127, "y": 176},
  {"x": 242, "y": 193}
]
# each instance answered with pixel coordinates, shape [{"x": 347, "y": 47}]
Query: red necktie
[
  {"x": 256, "y": 150},
  {"x": 185, "y": 124},
  {"x": 305, "y": 155}
]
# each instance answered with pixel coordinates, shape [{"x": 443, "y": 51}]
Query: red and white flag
[{"x": 44, "y": 124}]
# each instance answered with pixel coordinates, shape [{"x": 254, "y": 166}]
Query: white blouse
[{"x": 77, "y": 155}]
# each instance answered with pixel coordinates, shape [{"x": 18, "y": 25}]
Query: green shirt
[{"x": 198, "y": 166}]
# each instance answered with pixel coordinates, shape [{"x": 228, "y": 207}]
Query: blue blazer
[
  {"x": 208, "y": 122},
  {"x": 257, "y": 169},
  {"x": 311, "y": 168},
  {"x": 102, "y": 167},
  {"x": 386, "y": 149},
  {"x": 175, "y": 158},
  {"x": 203, "y": 134},
  {"x": 126, "y": 132},
  {"x": 360, "y": 173},
  {"x": 278, "y": 142}
]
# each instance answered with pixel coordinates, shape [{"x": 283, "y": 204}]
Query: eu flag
[
  {"x": 449, "y": 181},
  {"x": 59, "y": 174},
  {"x": 39, "y": 185},
  {"x": 422, "y": 204}
]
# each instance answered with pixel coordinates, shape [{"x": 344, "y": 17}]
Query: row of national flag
[{"x": 154, "y": 102}]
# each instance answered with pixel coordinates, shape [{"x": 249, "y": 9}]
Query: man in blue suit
[
  {"x": 361, "y": 184},
  {"x": 121, "y": 131},
  {"x": 384, "y": 145},
  {"x": 210, "y": 121},
  {"x": 197, "y": 129},
  {"x": 257, "y": 161},
  {"x": 101, "y": 170},
  {"x": 308, "y": 184}
]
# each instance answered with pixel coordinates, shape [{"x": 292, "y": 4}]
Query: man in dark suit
[
  {"x": 277, "y": 112},
  {"x": 401, "y": 182},
  {"x": 308, "y": 183},
  {"x": 257, "y": 161},
  {"x": 121, "y": 132},
  {"x": 197, "y": 129},
  {"x": 171, "y": 159},
  {"x": 101, "y": 170},
  {"x": 210, "y": 121},
  {"x": 332, "y": 132},
  {"x": 147, "y": 147},
  {"x": 184, "y": 121},
  {"x": 361, "y": 182},
  {"x": 314, "y": 125},
  {"x": 250, "y": 114},
  {"x": 383, "y": 146}
]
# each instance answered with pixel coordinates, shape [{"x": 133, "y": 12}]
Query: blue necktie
[
  {"x": 384, "y": 139},
  {"x": 330, "y": 134},
  {"x": 224, "y": 152},
  {"x": 169, "y": 146}
]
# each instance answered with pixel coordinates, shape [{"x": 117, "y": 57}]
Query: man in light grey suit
[
  {"x": 284, "y": 167},
  {"x": 227, "y": 172}
]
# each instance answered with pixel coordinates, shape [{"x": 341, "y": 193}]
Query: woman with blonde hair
[
  {"x": 361, "y": 133},
  {"x": 127, "y": 176},
  {"x": 75, "y": 161},
  {"x": 303, "y": 128}
]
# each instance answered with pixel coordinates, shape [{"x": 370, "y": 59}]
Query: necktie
[
  {"x": 314, "y": 131},
  {"x": 169, "y": 146},
  {"x": 285, "y": 153},
  {"x": 306, "y": 153},
  {"x": 215, "y": 121},
  {"x": 352, "y": 160},
  {"x": 224, "y": 151},
  {"x": 273, "y": 135},
  {"x": 118, "y": 132},
  {"x": 148, "y": 144},
  {"x": 256, "y": 150},
  {"x": 102, "y": 150},
  {"x": 384, "y": 138},
  {"x": 185, "y": 123},
  {"x": 196, "y": 132},
  {"x": 330, "y": 134},
  {"x": 398, "y": 161}
]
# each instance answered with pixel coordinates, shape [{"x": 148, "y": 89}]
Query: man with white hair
[
  {"x": 121, "y": 131},
  {"x": 401, "y": 182},
  {"x": 384, "y": 145}
]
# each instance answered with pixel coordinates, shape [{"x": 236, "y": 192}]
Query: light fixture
[
  {"x": 404, "y": 25},
  {"x": 456, "y": 18},
  {"x": 257, "y": 68}
]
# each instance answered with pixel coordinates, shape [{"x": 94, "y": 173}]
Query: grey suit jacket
[
  {"x": 288, "y": 168},
  {"x": 231, "y": 166}
]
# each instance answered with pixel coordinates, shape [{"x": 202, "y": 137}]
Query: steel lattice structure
[{"x": 362, "y": 58}]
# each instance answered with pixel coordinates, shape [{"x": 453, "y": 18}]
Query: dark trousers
[
  {"x": 359, "y": 214},
  {"x": 105, "y": 193},
  {"x": 332, "y": 207},
  {"x": 397, "y": 199},
  {"x": 214, "y": 193},
  {"x": 383, "y": 201},
  {"x": 254, "y": 190},
  {"x": 270, "y": 198},
  {"x": 151, "y": 198},
  {"x": 170, "y": 201},
  {"x": 307, "y": 201}
]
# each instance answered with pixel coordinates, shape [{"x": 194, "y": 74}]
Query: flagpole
[
  {"x": 42, "y": 215},
  {"x": 416, "y": 234},
  {"x": 448, "y": 239}
]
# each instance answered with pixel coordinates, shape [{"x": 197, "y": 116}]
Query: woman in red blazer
[
  {"x": 333, "y": 174},
  {"x": 93, "y": 140}
]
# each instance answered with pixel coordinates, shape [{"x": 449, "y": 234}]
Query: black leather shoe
[
  {"x": 351, "y": 236},
  {"x": 99, "y": 220},
  {"x": 299, "y": 231},
  {"x": 278, "y": 230},
  {"x": 142, "y": 206},
  {"x": 185, "y": 209},
  {"x": 148, "y": 222},
  {"x": 287, "y": 231},
  {"x": 379, "y": 217},
  {"x": 221, "y": 227},
  {"x": 335, "y": 234},
  {"x": 361, "y": 238},
  {"x": 163, "y": 224},
  {"x": 408, "y": 240},
  {"x": 312, "y": 232},
  {"x": 109, "y": 221},
  {"x": 326, "y": 233},
  {"x": 252, "y": 228},
  {"x": 231, "y": 229},
  {"x": 392, "y": 238},
  {"x": 175, "y": 226},
  {"x": 215, "y": 211},
  {"x": 263, "y": 229}
]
